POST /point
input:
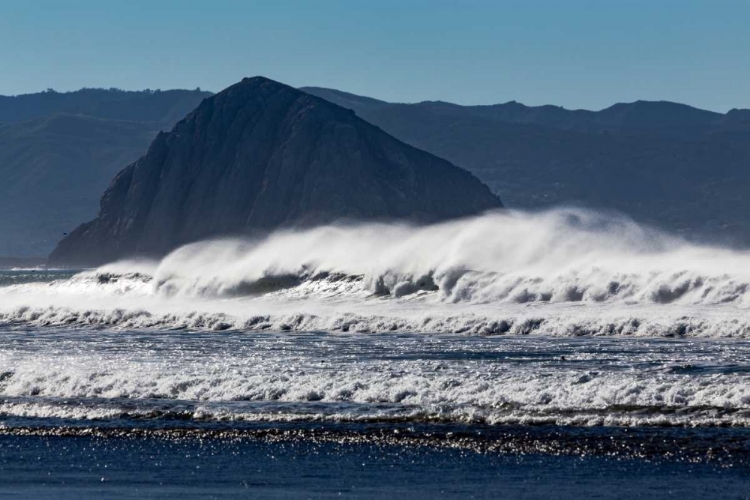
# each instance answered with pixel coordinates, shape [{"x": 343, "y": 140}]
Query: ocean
[{"x": 563, "y": 354}]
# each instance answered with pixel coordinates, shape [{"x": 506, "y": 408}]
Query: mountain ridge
[
  {"x": 549, "y": 114},
  {"x": 671, "y": 165},
  {"x": 161, "y": 106}
]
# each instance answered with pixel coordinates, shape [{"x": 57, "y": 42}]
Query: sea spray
[{"x": 559, "y": 272}]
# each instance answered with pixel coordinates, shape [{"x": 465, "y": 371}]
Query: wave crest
[{"x": 568, "y": 255}]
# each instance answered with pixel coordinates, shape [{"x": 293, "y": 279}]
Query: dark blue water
[
  {"x": 84, "y": 467},
  {"x": 20, "y": 277}
]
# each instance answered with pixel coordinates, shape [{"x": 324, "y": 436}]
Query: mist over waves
[{"x": 559, "y": 272}]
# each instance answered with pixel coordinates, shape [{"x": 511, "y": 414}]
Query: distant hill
[
  {"x": 159, "y": 106},
  {"x": 685, "y": 169},
  {"x": 261, "y": 155},
  {"x": 59, "y": 151}
]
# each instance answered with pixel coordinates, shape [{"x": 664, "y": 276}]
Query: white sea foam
[
  {"x": 561, "y": 272},
  {"x": 356, "y": 379}
]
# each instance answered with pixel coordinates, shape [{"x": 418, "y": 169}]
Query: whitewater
[
  {"x": 565, "y": 272},
  {"x": 566, "y": 317}
]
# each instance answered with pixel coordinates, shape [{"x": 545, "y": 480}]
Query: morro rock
[{"x": 259, "y": 156}]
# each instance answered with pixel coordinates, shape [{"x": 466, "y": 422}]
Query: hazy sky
[{"x": 578, "y": 54}]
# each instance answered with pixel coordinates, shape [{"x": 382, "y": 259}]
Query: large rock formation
[{"x": 258, "y": 156}]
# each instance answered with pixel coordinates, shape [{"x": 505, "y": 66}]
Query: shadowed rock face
[{"x": 258, "y": 156}]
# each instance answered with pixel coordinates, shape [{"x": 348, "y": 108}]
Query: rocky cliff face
[{"x": 258, "y": 156}]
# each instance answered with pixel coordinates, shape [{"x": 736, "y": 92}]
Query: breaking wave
[{"x": 560, "y": 272}]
